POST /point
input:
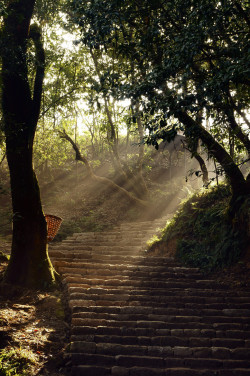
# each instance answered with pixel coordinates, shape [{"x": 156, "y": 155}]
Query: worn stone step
[
  {"x": 76, "y": 284},
  {"x": 146, "y": 371},
  {"x": 160, "y": 351},
  {"x": 170, "y": 268},
  {"x": 111, "y": 279},
  {"x": 168, "y": 311},
  {"x": 143, "y": 310},
  {"x": 198, "y": 341},
  {"x": 129, "y": 265},
  {"x": 144, "y": 294},
  {"x": 109, "y": 249},
  {"x": 187, "y": 286},
  {"x": 112, "y": 273},
  {"x": 119, "y": 234},
  {"x": 136, "y": 315},
  {"x": 162, "y": 324},
  {"x": 130, "y": 270},
  {"x": 153, "y": 270},
  {"x": 172, "y": 327},
  {"x": 161, "y": 364},
  {"x": 178, "y": 305},
  {"x": 114, "y": 280},
  {"x": 133, "y": 259},
  {"x": 61, "y": 259},
  {"x": 161, "y": 302},
  {"x": 176, "y": 298},
  {"x": 118, "y": 298},
  {"x": 139, "y": 241}
]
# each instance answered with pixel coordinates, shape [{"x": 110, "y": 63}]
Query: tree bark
[
  {"x": 203, "y": 167},
  {"x": 29, "y": 263}
]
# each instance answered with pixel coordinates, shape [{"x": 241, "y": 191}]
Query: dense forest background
[{"x": 121, "y": 109}]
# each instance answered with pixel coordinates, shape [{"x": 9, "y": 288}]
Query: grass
[
  {"x": 16, "y": 362},
  {"x": 205, "y": 236}
]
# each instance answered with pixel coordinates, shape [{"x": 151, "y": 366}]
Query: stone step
[
  {"x": 64, "y": 259},
  {"x": 105, "y": 243},
  {"x": 118, "y": 232},
  {"x": 154, "y": 331},
  {"x": 89, "y": 370},
  {"x": 156, "y": 310},
  {"x": 128, "y": 262},
  {"x": 122, "y": 283},
  {"x": 99, "y": 248},
  {"x": 60, "y": 259},
  {"x": 160, "y": 324},
  {"x": 167, "y": 312},
  {"x": 173, "y": 294},
  {"x": 129, "y": 266},
  {"x": 151, "y": 270},
  {"x": 132, "y": 275},
  {"x": 136, "y": 315},
  {"x": 191, "y": 338},
  {"x": 77, "y": 304},
  {"x": 109, "y": 234},
  {"x": 134, "y": 259},
  {"x": 161, "y": 363},
  {"x": 160, "y": 351},
  {"x": 189, "y": 287}
]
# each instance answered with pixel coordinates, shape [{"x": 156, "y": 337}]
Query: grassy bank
[{"x": 201, "y": 234}]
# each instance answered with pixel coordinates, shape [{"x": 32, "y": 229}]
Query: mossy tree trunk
[{"x": 29, "y": 264}]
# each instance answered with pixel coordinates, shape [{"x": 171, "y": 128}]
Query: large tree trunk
[{"x": 29, "y": 264}]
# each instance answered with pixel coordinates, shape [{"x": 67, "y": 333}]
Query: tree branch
[
  {"x": 58, "y": 100},
  {"x": 100, "y": 179},
  {"x": 242, "y": 12}
]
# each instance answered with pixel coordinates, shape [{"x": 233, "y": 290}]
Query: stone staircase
[{"x": 139, "y": 315}]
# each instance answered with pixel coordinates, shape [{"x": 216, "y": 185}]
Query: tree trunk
[
  {"x": 29, "y": 264},
  {"x": 240, "y": 187},
  {"x": 203, "y": 167},
  {"x": 139, "y": 182}
]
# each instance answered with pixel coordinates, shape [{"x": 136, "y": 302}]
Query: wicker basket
[{"x": 53, "y": 225}]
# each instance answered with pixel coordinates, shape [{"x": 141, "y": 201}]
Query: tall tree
[
  {"x": 189, "y": 58},
  {"x": 29, "y": 264}
]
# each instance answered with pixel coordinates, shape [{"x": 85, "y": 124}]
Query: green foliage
[
  {"x": 152, "y": 240},
  {"x": 206, "y": 238},
  {"x": 16, "y": 362},
  {"x": 184, "y": 62}
]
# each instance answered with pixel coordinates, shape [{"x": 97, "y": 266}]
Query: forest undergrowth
[{"x": 201, "y": 233}]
